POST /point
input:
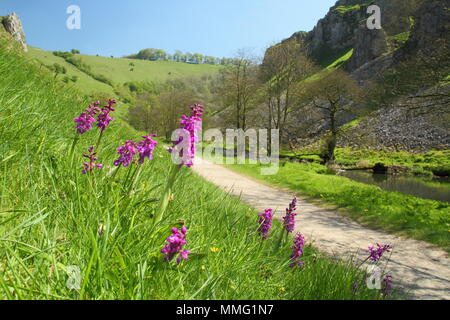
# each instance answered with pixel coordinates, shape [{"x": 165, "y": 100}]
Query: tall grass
[{"x": 52, "y": 217}]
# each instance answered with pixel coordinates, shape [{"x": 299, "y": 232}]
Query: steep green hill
[
  {"x": 119, "y": 71},
  {"x": 85, "y": 83}
]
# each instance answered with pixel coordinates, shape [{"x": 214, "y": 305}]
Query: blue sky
[{"x": 211, "y": 27}]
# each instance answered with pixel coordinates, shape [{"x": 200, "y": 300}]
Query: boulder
[{"x": 13, "y": 26}]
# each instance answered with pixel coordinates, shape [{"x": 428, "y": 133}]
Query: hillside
[
  {"x": 85, "y": 83},
  {"x": 344, "y": 28},
  {"x": 119, "y": 70},
  {"x": 401, "y": 67}
]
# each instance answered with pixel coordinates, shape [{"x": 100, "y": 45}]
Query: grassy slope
[
  {"x": 118, "y": 70},
  {"x": 392, "y": 211},
  {"x": 50, "y": 214},
  {"x": 330, "y": 64},
  {"x": 352, "y": 7},
  {"x": 85, "y": 83}
]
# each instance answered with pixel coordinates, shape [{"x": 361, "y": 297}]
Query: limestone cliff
[
  {"x": 344, "y": 28},
  {"x": 415, "y": 33},
  {"x": 13, "y": 26}
]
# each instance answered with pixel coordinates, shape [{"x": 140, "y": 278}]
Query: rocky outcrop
[
  {"x": 13, "y": 26},
  {"x": 344, "y": 28},
  {"x": 414, "y": 124},
  {"x": 374, "y": 68},
  {"x": 431, "y": 24},
  {"x": 368, "y": 46}
]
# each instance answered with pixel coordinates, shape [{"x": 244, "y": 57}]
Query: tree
[
  {"x": 140, "y": 115},
  {"x": 159, "y": 111},
  {"x": 58, "y": 69},
  {"x": 75, "y": 51},
  {"x": 173, "y": 104},
  {"x": 238, "y": 86},
  {"x": 188, "y": 57},
  {"x": 332, "y": 94},
  {"x": 198, "y": 58},
  {"x": 178, "y": 55},
  {"x": 284, "y": 65}
]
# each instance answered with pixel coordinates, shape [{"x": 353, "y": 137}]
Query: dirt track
[{"x": 419, "y": 268}]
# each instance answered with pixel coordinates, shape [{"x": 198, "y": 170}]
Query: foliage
[
  {"x": 158, "y": 107},
  {"x": 332, "y": 94},
  {"x": 238, "y": 87},
  {"x": 57, "y": 69},
  {"x": 284, "y": 67},
  {"x": 196, "y": 58},
  {"x": 353, "y": 7},
  {"x": 397, "y": 41}
]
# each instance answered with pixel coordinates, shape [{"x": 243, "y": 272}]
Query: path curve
[{"x": 416, "y": 266}]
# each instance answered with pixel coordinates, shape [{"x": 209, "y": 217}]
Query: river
[{"x": 429, "y": 189}]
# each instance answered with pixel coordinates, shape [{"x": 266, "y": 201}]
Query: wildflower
[
  {"x": 126, "y": 153},
  {"x": 91, "y": 165},
  {"x": 175, "y": 245},
  {"x": 146, "y": 147},
  {"x": 386, "y": 286},
  {"x": 103, "y": 119},
  {"x": 282, "y": 289},
  {"x": 265, "y": 222},
  {"x": 214, "y": 250},
  {"x": 377, "y": 253},
  {"x": 109, "y": 107},
  {"x": 192, "y": 125},
  {"x": 299, "y": 242},
  {"x": 289, "y": 219},
  {"x": 85, "y": 120}
]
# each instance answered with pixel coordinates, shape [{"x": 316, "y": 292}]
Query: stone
[{"x": 13, "y": 26}]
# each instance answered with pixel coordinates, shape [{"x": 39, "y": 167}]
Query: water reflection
[{"x": 418, "y": 187}]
